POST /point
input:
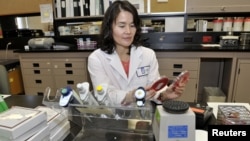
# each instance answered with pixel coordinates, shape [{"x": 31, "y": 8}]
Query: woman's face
[{"x": 124, "y": 29}]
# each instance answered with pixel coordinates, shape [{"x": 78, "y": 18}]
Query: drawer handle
[
  {"x": 68, "y": 65},
  {"x": 40, "y": 93},
  {"x": 70, "y": 82},
  {"x": 69, "y": 72},
  {"x": 176, "y": 73},
  {"x": 178, "y": 66},
  {"x": 36, "y": 71},
  {"x": 35, "y": 65},
  {"x": 38, "y": 81}
]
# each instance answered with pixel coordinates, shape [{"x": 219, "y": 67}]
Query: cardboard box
[
  {"x": 20, "y": 122},
  {"x": 62, "y": 132},
  {"x": 42, "y": 135},
  {"x": 213, "y": 94},
  {"x": 54, "y": 118}
]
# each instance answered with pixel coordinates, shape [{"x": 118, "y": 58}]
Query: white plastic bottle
[{"x": 85, "y": 94}]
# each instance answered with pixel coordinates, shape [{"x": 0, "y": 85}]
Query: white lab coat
[{"x": 107, "y": 68}]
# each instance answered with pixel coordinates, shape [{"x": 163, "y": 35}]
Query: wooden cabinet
[
  {"x": 47, "y": 71},
  {"x": 69, "y": 72},
  {"x": 15, "y": 7},
  {"x": 172, "y": 67},
  {"x": 215, "y": 6},
  {"x": 241, "y": 90}
]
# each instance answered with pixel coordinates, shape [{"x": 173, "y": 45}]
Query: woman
[{"x": 121, "y": 61}]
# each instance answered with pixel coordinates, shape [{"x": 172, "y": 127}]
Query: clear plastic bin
[
  {"x": 112, "y": 123},
  {"x": 106, "y": 123}
]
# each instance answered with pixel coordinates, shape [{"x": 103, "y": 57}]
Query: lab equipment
[
  {"x": 101, "y": 94},
  {"x": 174, "y": 126},
  {"x": 85, "y": 95},
  {"x": 68, "y": 95},
  {"x": 140, "y": 95}
]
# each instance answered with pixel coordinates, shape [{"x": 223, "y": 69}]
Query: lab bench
[{"x": 33, "y": 101}]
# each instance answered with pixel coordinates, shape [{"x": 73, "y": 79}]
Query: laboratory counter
[
  {"x": 157, "y": 47},
  {"x": 32, "y": 101}
]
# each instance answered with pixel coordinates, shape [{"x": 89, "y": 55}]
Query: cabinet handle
[
  {"x": 70, "y": 82},
  {"x": 36, "y": 71},
  {"x": 68, "y": 65},
  {"x": 177, "y": 66},
  {"x": 69, "y": 72},
  {"x": 38, "y": 81},
  {"x": 176, "y": 73},
  {"x": 40, "y": 93},
  {"x": 35, "y": 64}
]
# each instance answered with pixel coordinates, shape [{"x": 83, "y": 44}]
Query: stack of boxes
[
  {"x": 38, "y": 124},
  {"x": 19, "y": 123},
  {"x": 59, "y": 126}
]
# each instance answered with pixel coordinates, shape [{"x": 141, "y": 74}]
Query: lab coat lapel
[
  {"x": 116, "y": 64},
  {"x": 135, "y": 61}
]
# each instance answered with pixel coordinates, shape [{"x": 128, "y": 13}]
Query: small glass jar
[{"x": 217, "y": 24}]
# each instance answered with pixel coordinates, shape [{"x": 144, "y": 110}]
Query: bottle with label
[
  {"x": 227, "y": 24},
  {"x": 246, "y": 24},
  {"x": 3, "y": 105},
  {"x": 85, "y": 95},
  {"x": 217, "y": 24},
  {"x": 238, "y": 24}
]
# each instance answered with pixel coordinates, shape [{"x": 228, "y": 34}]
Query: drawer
[
  {"x": 38, "y": 81},
  {"x": 36, "y": 71},
  {"x": 188, "y": 64},
  {"x": 70, "y": 71},
  {"x": 171, "y": 74},
  {"x": 30, "y": 63},
  {"x": 72, "y": 63},
  {"x": 62, "y": 81},
  {"x": 39, "y": 91}
]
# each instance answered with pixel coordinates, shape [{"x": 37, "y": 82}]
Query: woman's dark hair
[{"x": 106, "y": 39}]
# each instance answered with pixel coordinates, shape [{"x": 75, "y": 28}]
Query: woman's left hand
[{"x": 173, "y": 92}]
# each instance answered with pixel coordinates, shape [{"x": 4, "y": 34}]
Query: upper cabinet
[
  {"x": 215, "y": 6},
  {"x": 15, "y": 7},
  {"x": 167, "y": 6}
]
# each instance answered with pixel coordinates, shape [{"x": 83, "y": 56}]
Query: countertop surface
[{"x": 156, "y": 47}]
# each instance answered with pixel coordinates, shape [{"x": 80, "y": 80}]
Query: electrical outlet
[{"x": 162, "y": 0}]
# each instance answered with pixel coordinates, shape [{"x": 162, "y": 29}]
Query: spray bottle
[
  {"x": 85, "y": 95},
  {"x": 3, "y": 105}
]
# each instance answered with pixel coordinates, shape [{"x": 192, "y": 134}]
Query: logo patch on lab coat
[{"x": 142, "y": 71}]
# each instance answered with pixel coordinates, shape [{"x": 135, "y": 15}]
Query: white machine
[{"x": 173, "y": 126}]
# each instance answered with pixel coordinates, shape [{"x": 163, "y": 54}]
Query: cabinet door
[
  {"x": 242, "y": 82},
  {"x": 172, "y": 67},
  {"x": 13, "y": 7},
  {"x": 213, "y": 6}
]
